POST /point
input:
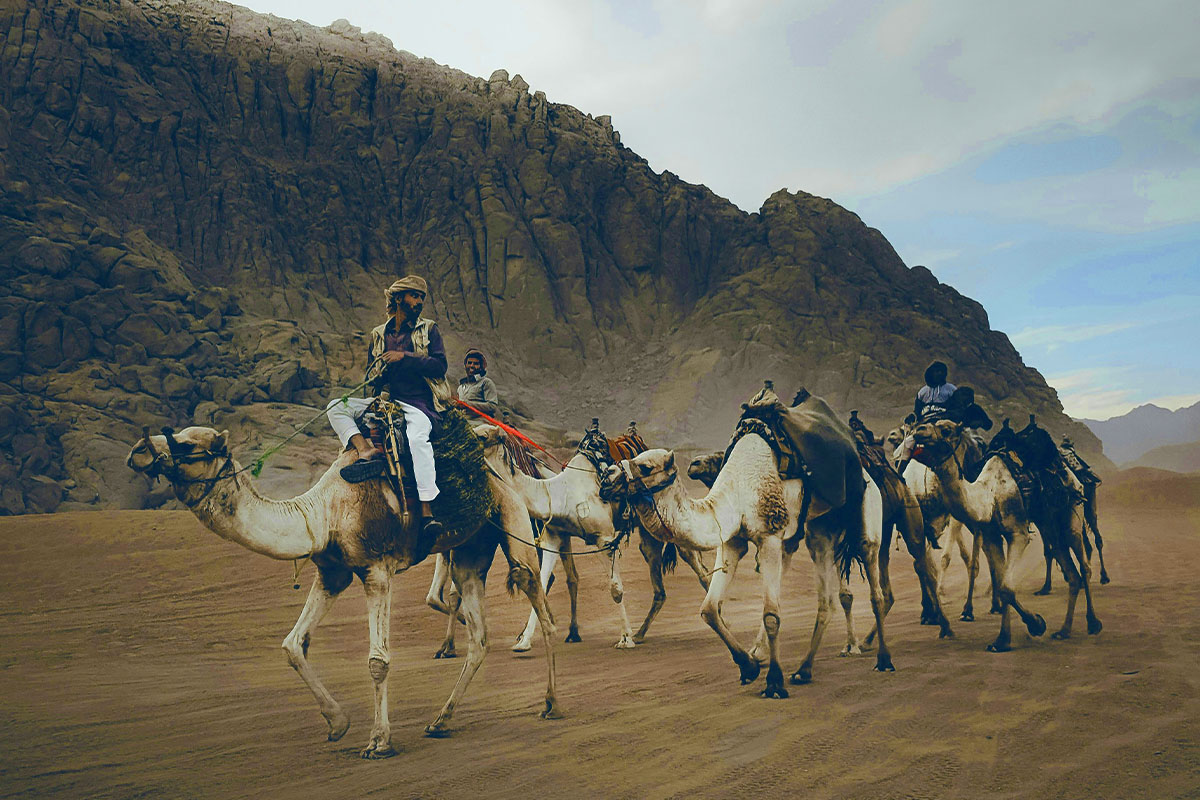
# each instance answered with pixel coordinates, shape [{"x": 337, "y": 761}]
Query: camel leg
[
  {"x": 1076, "y": 578},
  {"x": 770, "y": 564},
  {"x": 651, "y": 550},
  {"x": 553, "y": 545},
  {"x": 1003, "y": 568},
  {"x": 912, "y": 531},
  {"x": 695, "y": 560},
  {"x": 522, "y": 559},
  {"x": 320, "y": 600},
  {"x": 728, "y": 556},
  {"x": 469, "y": 568},
  {"x": 885, "y": 582},
  {"x": 1048, "y": 555},
  {"x": 443, "y": 596},
  {"x": 617, "y": 589},
  {"x": 568, "y": 559},
  {"x": 880, "y": 604},
  {"x": 378, "y": 586},
  {"x": 1089, "y": 512},
  {"x": 821, "y": 550},
  {"x": 846, "y": 598}
]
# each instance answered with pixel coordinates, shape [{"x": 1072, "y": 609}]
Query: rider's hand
[{"x": 393, "y": 356}]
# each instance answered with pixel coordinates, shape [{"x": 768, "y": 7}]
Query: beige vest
[{"x": 440, "y": 387}]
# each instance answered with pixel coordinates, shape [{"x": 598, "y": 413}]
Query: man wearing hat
[
  {"x": 931, "y": 403},
  {"x": 477, "y": 388},
  {"x": 407, "y": 358}
]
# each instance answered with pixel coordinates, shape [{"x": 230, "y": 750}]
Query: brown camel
[
  {"x": 992, "y": 507},
  {"x": 348, "y": 530}
]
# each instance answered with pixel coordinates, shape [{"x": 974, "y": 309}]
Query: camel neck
[
  {"x": 964, "y": 498},
  {"x": 281, "y": 529},
  {"x": 672, "y": 516}
]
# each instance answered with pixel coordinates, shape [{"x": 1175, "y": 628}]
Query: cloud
[{"x": 1052, "y": 337}]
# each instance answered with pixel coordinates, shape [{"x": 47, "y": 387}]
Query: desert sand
[{"x": 140, "y": 658}]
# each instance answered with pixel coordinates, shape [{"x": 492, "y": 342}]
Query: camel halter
[{"x": 167, "y": 465}]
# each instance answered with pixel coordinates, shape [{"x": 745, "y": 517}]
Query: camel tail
[
  {"x": 670, "y": 557},
  {"x": 849, "y": 549}
]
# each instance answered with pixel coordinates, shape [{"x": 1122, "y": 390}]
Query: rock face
[{"x": 199, "y": 207}]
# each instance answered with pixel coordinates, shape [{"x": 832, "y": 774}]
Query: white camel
[
  {"x": 749, "y": 502},
  {"x": 992, "y": 507},
  {"x": 568, "y": 506},
  {"x": 949, "y": 533},
  {"x": 348, "y": 530}
]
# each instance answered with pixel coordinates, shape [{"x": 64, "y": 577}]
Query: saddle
[
  {"x": 807, "y": 433},
  {"x": 1037, "y": 467}
]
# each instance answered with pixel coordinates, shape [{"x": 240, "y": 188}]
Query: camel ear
[{"x": 221, "y": 442}]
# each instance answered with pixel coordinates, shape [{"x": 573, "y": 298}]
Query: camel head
[
  {"x": 936, "y": 441},
  {"x": 190, "y": 456},
  {"x": 706, "y": 468},
  {"x": 895, "y": 437},
  {"x": 647, "y": 473}
]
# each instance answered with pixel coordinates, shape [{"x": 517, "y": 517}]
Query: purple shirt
[{"x": 405, "y": 380}]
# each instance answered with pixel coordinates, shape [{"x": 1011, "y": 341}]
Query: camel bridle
[{"x": 167, "y": 465}]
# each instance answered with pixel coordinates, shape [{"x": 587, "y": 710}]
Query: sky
[{"x": 1041, "y": 157}]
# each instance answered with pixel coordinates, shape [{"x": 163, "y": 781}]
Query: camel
[
  {"x": 992, "y": 507},
  {"x": 348, "y": 530},
  {"x": 568, "y": 506},
  {"x": 939, "y": 523},
  {"x": 1088, "y": 480},
  {"x": 749, "y": 502},
  {"x": 900, "y": 513}
]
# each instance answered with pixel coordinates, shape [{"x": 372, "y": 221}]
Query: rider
[
  {"x": 477, "y": 388},
  {"x": 931, "y": 402},
  {"x": 407, "y": 358}
]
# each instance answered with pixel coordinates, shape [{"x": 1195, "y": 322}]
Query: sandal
[{"x": 363, "y": 470}]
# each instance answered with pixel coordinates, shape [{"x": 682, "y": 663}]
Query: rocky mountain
[
  {"x": 199, "y": 207},
  {"x": 1127, "y": 437}
]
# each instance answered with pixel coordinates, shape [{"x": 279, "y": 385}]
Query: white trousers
[{"x": 343, "y": 417}]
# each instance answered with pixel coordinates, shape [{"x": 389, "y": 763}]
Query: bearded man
[{"x": 406, "y": 357}]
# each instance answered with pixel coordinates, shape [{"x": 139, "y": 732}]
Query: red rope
[{"x": 507, "y": 429}]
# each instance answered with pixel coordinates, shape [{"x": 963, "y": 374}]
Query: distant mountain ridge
[
  {"x": 1175, "y": 457},
  {"x": 200, "y": 206},
  {"x": 1131, "y": 435}
]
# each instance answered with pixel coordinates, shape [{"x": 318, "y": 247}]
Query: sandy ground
[{"x": 139, "y": 658}]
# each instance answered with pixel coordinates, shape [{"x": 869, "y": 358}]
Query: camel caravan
[{"x": 791, "y": 474}]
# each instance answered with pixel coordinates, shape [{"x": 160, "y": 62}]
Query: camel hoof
[
  {"x": 338, "y": 725},
  {"x": 1103, "y": 578},
  {"x": 376, "y": 750},
  {"x": 776, "y": 692},
  {"x": 749, "y": 669},
  {"x": 639, "y": 638},
  {"x": 1038, "y": 627},
  {"x": 446, "y": 652},
  {"x": 996, "y": 610},
  {"x": 1095, "y": 626},
  {"x": 437, "y": 731},
  {"x": 573, "y": 636},
  {"x": 1042, "y": 592},
  {"x": 522, "y": 647},
  {"x": 551, "y": 711},
  {"x": 884, "y": 664},
  {"x": 625, "y": 643},
  {"x": 800, "y": 677},
  {"x": 999, "y": 647},
  {"x": 1063, "y": 634},
  {"x": 966, "y": 616},
  {"x": 850, "y": 650},
  {"x": 929, "y": 619},
  {"x": 946, "y": 633}
]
